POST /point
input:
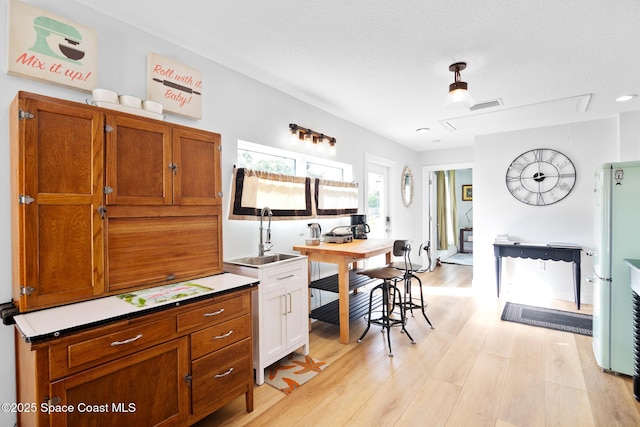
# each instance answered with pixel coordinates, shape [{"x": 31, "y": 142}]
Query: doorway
[
  {"x": 448, "y": 208},
  {"x": 376, "y": 203}
]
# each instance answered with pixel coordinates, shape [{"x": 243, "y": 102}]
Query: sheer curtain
[{"x": 447, "y": 209}]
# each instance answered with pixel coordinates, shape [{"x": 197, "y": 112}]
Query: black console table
[{"x": 547, "y": 253}]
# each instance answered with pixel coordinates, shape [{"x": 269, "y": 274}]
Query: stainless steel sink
[{"x": 262, "y": 260}]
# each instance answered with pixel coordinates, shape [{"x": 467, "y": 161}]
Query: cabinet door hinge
[
  {"x": 220, "y": 194},
  {"x": 25, "y": 199},
  {"x": 219, "y": 147},
  {"x": 188, "y": 378},
  {"x": 108, "y": 190},
  {"x": 26, "y": 290},
  {"x": 108, "y": 128},
  {"x": 23, "y": 114}
]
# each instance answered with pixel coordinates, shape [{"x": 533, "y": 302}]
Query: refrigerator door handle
[{"x": 604, "y": 279}]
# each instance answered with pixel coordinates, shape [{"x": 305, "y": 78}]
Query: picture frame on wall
[
  {"x": 176, "y": 86},
  {"x": 467, "y": 192},
  {"x": 44, "y": 46}
]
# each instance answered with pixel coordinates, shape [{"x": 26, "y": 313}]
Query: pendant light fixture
[{"x": 459, "y": 97}]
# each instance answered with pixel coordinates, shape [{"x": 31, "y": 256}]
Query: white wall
[
  {"x": 233, "y": 105},
  {"x": 588, "y": 145},
  {"x": 630, "y": 136}
]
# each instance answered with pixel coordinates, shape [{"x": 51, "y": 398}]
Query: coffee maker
[{"x": 359, "y": 226}]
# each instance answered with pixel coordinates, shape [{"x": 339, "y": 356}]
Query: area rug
[
  {"x": 292, "y": 371},
  {"x": 549, "y": 318},
  {"x": 460, "y": 259}
]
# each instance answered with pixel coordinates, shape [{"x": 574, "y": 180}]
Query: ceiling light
[
  {"x": 459, "y": 97},
  {"x": 625, "y": 98}
]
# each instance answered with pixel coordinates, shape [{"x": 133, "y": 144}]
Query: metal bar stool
[
  {"x": 403, "y": 248},
  {"x": 389, "y": 276}
]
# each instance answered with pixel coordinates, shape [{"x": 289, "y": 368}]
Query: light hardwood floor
[{"x": 471, "y": 370}]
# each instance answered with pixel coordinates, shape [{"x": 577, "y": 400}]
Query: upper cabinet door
[
  {"x": 138, "y": 162},
  {"x": 197, "y": 179},
  {"x": 59, "y": 179}
]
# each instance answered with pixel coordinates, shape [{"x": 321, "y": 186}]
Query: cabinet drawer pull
[
  {"x": 130, "y": 340},
  {"x": 219, "y": 337},
  {"x": 215, "y": 313},
  {"x": 285, "y": 277},
  {"x": 225, "y": 374}
]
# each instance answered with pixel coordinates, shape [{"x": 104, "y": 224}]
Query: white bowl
[
  {"x": 130, "y": 101},
  {"x": 154, "y": 107},
  {"x": 105, "y": 95}
]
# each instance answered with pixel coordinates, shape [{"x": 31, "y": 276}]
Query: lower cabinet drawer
[
  {"x": 216, "y": 312},
  {"x": 221, "y": 335},
  {"x": 221, "y": 376},
  {"x": 91, "y": 352}
]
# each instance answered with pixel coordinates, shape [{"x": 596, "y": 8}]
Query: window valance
[
  {"x": 335, "y": 198},
  {"x": 289, "y": 197}
]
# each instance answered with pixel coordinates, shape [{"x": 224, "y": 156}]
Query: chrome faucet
[{"x": 266, "y": 246}]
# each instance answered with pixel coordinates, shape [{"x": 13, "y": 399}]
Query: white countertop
[
  {"x": 52, "y": 322},
  {"x": 634, "y": 272}
]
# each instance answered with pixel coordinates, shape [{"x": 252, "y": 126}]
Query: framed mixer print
[{"x": 44, "y": 46}]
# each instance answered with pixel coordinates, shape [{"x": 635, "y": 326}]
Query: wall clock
[{"x": 541, "y": 177}]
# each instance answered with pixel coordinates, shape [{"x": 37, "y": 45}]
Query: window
[
  {"x": 316, "y": 170},
  {"x": 271, "y": 159},
  {"x": 293, "y": 185},
  {"x": 266, "y": 162}
]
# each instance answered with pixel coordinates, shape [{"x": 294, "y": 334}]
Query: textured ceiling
[{"x": 384, "y": 64}]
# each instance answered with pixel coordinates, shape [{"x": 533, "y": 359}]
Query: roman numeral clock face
[{"x": 541, "y": 177}]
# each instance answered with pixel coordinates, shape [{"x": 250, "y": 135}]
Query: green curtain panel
[
  {"x": 453, "y": 209},
  {"x": 441, "y": 194},
  {"x": 447, "y": 210}
]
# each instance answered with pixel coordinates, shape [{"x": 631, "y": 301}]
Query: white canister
[{"x": 130, "y": 101}]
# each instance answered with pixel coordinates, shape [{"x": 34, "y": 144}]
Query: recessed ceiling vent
[
  {"x": 486, "y": 104},
  {"x": 533, "y": 115}
]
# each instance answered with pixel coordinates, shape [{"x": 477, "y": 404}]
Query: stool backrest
[{"x": 401, "y": 248}]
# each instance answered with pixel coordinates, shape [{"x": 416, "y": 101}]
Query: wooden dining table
[{"x": 345, "y": 255}]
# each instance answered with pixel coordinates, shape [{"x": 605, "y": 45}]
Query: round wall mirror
[{"x": 406, "y": 186}]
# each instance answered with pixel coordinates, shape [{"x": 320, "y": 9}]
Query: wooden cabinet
[
  {"x": 150, "y": 163},
  {"x": 170, "y": 367},
  {"x": 104, "y": 202},
  {"x": 118, "y": 393},
  {"x": 56, "y": 198},
  {"x": 280, "y": 311}
]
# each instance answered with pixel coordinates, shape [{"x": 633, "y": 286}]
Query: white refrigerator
[{"x": 617, "y": 236}]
